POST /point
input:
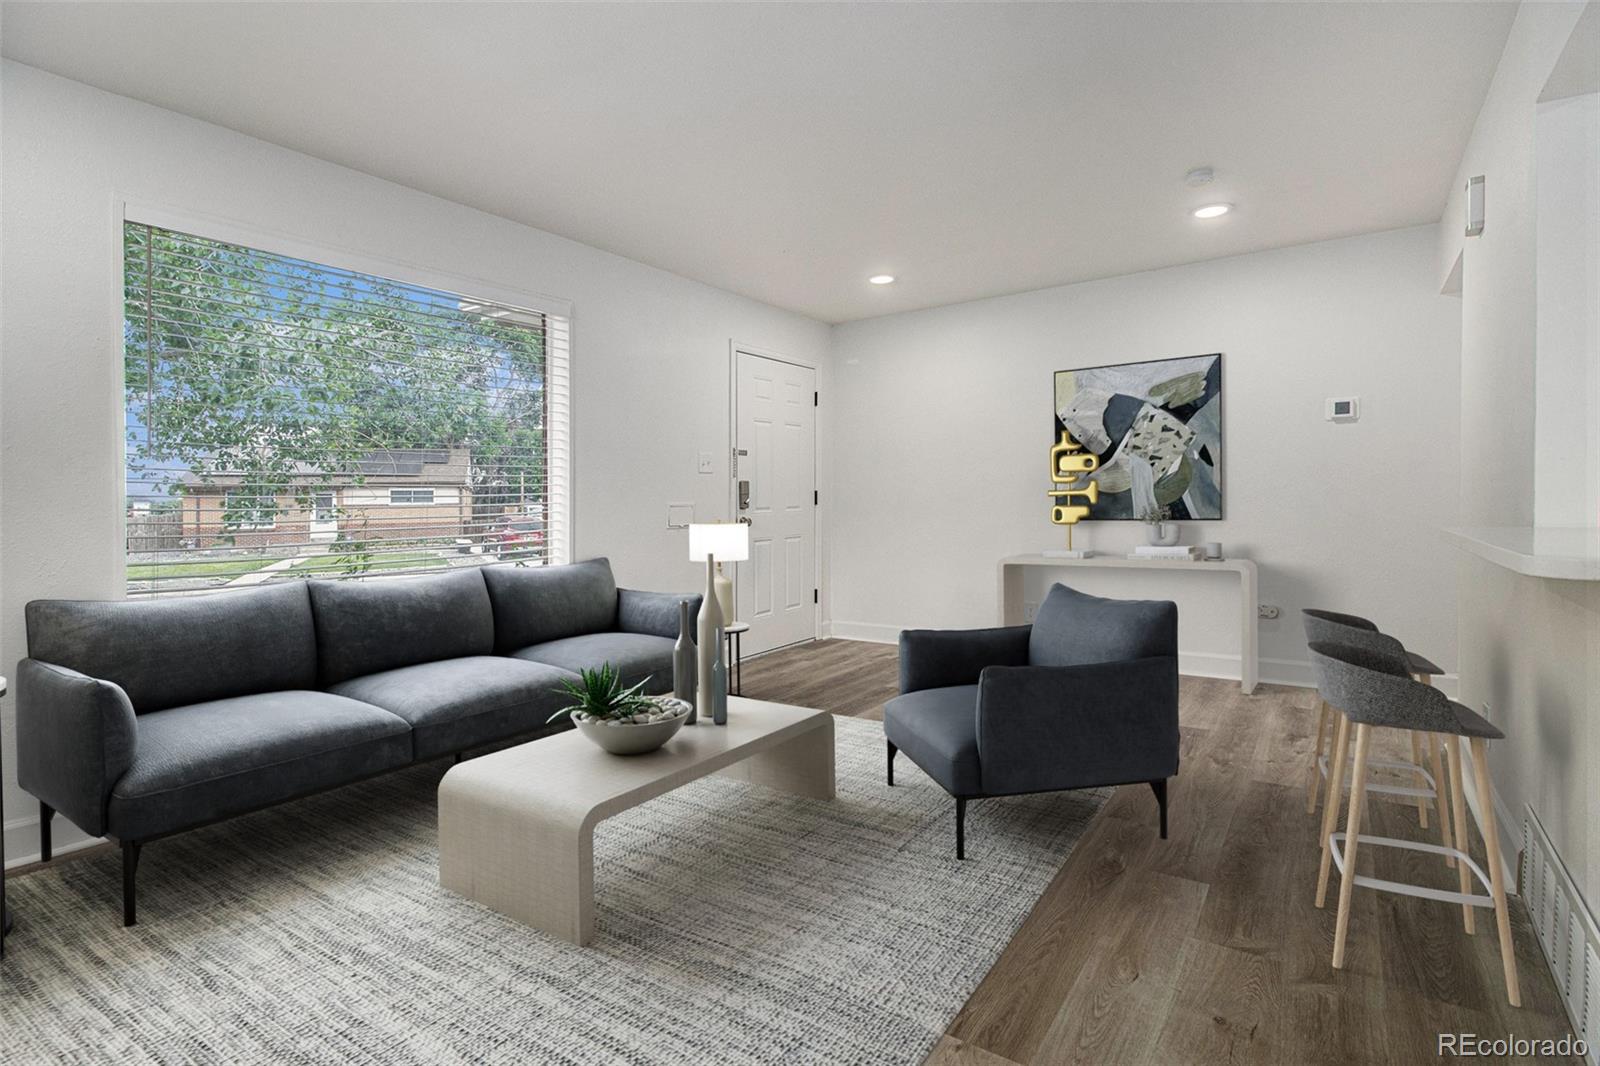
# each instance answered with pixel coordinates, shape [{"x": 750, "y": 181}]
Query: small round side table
[{"x": 732, "y": 633}]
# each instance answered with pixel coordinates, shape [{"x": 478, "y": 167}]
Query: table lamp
[{"x": 715, "y": 542}]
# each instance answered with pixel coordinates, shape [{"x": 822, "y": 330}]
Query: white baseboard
[
  {"x": 22, "y": 839},
  {"x": 1566, "y": 929},
  {"x": 1293, "y": 672}
]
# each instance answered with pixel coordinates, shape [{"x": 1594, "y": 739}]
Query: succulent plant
[{"x": 600, "y": 694}]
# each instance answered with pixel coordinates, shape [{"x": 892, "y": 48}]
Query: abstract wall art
[{"x": 1156, "y": 429}]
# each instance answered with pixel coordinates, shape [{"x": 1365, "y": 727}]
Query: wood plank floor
[{"x": 1207, "y": 947}]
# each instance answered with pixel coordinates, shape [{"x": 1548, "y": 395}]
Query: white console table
[{"x": 1011, "y": 608}]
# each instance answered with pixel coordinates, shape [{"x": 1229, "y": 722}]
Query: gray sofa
[
  {"x": 138, "y": 719},
  {"x": 1085, "y": 696}
]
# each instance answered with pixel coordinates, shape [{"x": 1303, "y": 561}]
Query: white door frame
[{"x": 734, "y": 348}]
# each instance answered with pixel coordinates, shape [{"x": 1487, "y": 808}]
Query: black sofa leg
[
  {"x": 130, "y": 867},
  {"x": 961, "y": 828},
  {"x": 1160, "y": 789},
  {"x": 46, "y": 814},
  {"x": 893, "y": 751}
]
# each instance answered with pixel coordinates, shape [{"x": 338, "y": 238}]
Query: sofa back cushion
[
  {"x": 364, "y": 627},
  {"x": 184, "y": 649},
  {"x": 1073, "y": 628},
  {"x": 533, "y": 604}
]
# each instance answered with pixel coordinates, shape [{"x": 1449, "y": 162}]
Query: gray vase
[
  {"x": 683, "y": 661},
  {"x": 719, "y": 682}
]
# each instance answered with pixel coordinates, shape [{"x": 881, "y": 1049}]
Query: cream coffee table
[{"x": 516, "y": 828}]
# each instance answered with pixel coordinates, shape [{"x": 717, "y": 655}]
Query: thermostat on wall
[{"x": 1344, "y": 409}]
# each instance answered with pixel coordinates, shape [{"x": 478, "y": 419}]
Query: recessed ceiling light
[
  {"x": 1212, "y": 210},
  {"x": 882, "y": 279}
]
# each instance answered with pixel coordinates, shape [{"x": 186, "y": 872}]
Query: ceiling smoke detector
[{"x": 1199, "y": 176}]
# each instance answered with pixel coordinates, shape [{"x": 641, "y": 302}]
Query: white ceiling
[{"x": 787, "y": 151}]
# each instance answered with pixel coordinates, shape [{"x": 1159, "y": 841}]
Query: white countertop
[{"x": 1566, "y": 553}]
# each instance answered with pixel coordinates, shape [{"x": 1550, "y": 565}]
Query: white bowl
[{"x": 622, "y": 738}]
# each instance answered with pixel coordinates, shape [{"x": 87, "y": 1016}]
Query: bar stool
[
  {"x": 1335, "y": 628},
  {"x": 1367, "y": 689}
]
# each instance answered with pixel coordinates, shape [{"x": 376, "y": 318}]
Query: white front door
[
  {"x": 775, "y": 489},
  {"x": 324, "y": 517}
]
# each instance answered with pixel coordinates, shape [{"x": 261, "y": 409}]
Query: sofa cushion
[
  {"x": 365, "y": 627},
  {"x": 937, "y": 728},
  {"x": 1072, "y": 629},
  {"x": 636, "y": 656},
  {"x": 461, "y": 703},
  {"x": 185, "y": 649},
  {"x": 205, "y": 761},
  {"x": 533, "y": 604}
]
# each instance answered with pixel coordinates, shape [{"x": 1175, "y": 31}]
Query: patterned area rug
[{"x": 736, "y": 925}]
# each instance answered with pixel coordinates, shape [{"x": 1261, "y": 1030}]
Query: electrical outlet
[
  {"x": 1266, "y": 610},
  {"x": 1029, "y": 609}
]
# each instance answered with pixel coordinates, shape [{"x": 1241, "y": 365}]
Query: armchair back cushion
[
  {"x": 364, "y": 627},
  {"x": 187, "y": 649},
  {"x": 1074, "y": 629},
  {"x": 535, "y": 604}
]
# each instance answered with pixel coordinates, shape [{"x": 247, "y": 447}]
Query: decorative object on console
[
  {"x": 719, "y": 683},
  {"x": 1211, "y": 550},
  {"x": 1154, "y": 430},
  {"x": 1070, "y": 467},
  {"x": 712, "y": 541},
  {"x": 1173, "y": 551},
  {"x": 1158, "y": 529},
  {"x": 683, "y": 660}
]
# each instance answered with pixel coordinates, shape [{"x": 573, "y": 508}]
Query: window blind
[{"x": 287, "y": 419}]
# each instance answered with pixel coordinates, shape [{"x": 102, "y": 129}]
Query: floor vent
[{"x": 1567, "y": 931}]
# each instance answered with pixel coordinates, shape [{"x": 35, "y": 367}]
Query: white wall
[
  {"x": 944, "y": 428},
  {"x": 650, "y": 349},
  {"x": 1566, "y": 468},
  {"x": 1530, "y": 647}
]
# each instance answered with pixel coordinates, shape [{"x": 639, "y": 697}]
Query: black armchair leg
[
  {"x": 46, "y": 814},
  {"x": 893, "y": 751},
  {"x": 130, "y": 866},
  {"x": 1160, "y": 789},
  {"x": 961, "y": 828}
]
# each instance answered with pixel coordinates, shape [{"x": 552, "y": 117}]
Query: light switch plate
[{"x": 707, "y": 462}]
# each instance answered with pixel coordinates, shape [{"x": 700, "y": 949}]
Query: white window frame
[
  {"x": 431, "y": 501},
  {"x": 560, "y": 326},
  {"x": 246, "y": 527}
]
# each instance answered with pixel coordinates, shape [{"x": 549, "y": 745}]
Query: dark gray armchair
[{"x": 1084, "y": 697}]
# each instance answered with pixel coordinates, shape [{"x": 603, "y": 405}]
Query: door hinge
[
  {"x": 815, "y": 400},
  {"x": 816, "y": 497},
  {"x": 816, "y": 595}
]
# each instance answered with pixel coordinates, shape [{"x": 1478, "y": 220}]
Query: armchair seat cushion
[
  {"x": 636, "y": 655},
  {"x": 937, "y": 728},
  {"x": 456, "y": 704},
  {"x": 206, "y": 761}
]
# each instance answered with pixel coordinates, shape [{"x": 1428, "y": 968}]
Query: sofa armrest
[
  {"x": 940, "y": 658},
  {"x": 75, "y": 737},
  {"x": 1051, "y": 727},
  {"x": 655, "y": 613}
]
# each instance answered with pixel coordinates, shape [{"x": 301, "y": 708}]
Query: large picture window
[{"x": 278, "y": 410}]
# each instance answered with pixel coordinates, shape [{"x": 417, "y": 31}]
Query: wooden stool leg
[
  {"x": 1313, "y": 776},
  {"x": 1352, "y": 828},
  {"x": 1416, "y": 760},
  {"x": 1491, "y": 844},
  {"x": 1458, "y": 804},
  {"x": 1332, "y": 801},
  {"x": 1439, "y": 796}
]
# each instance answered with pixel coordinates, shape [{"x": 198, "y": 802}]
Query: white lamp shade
[{"x": 728, "y": 542}]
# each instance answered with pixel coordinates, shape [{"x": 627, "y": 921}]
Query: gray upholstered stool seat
[
  {"x": 1372, "y": 687},
  {"x": 1338, "y": 628}
]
